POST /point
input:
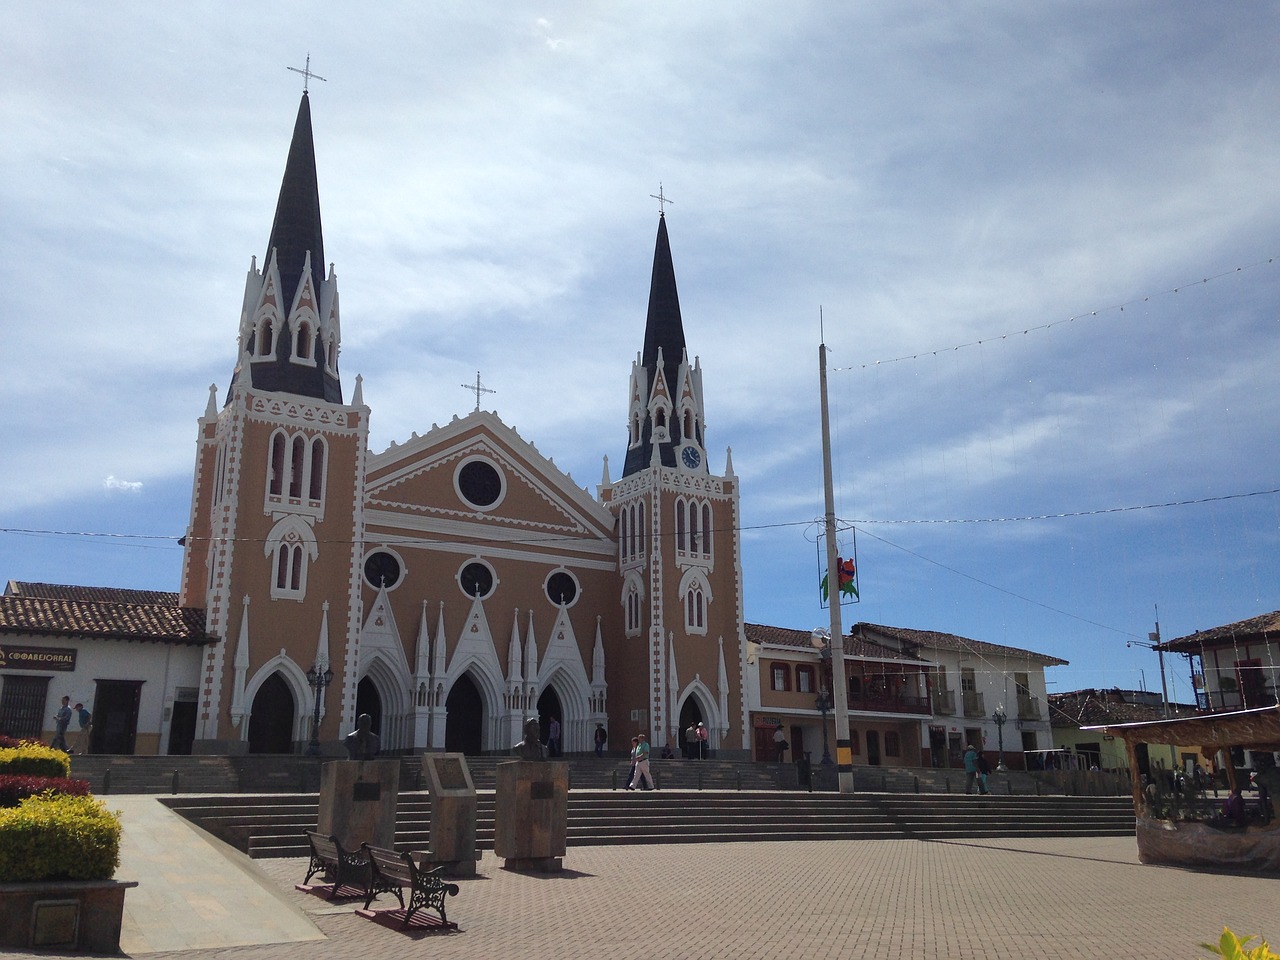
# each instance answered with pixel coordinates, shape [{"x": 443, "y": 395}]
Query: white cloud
[{"x": 124, "y": 486}]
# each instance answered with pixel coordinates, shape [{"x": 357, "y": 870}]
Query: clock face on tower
[{"x": 691, "y": 457}]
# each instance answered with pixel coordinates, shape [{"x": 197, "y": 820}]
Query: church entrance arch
[
  {"x": 690, "y": 716},
  {"x": 369, "y": 701},
  {"x": 549, "y": 706},
  {"x": 464, "y": 718},
  {"x": 271, "y": 720}
]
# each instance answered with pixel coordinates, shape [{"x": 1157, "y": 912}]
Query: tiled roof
[
  {"x": 1240, "y": 631},
  {"x": 58, "y": 591},
  {"x": 99, "y": 613},
  {"x": 1096, "y": 708},
  {"x": 932, "y": 640},
  {"x": 853, "y": 646}
]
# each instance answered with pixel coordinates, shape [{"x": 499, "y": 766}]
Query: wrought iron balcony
[
  {"x": 1029, "y": 708},
  {"x": 973, "y": 704}
]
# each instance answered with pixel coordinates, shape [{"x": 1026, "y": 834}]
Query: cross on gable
[{"x": 477, "y": 389}]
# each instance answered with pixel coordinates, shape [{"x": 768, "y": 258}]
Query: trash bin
[{"x": 804, "y": 772}]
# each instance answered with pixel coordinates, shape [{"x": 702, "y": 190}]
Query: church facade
[{"x": 458, "y": 582}]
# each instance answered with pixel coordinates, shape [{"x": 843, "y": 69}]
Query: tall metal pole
[{"x": 839, "y": 685}]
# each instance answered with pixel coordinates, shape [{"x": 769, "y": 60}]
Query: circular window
[
  {"x": 562, "y": 589},
  {"x": 476, "y": 580},
  {"x": 382, "y": 569},
  {"x": 480, "y": 483}
]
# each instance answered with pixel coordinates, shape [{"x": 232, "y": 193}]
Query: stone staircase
[
  {"x": 272, "y": 825},
  {"x": 260, "y": 773}
]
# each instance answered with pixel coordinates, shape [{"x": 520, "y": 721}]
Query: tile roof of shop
[
  {"x": 46, "y": 609},
  {"x": 933, "y": 640},
  {"x": 854, "y": 646},
  {"x": 1254, "y": 627}
]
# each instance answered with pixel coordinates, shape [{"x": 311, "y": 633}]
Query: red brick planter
[{"x": 83, "y": 915}]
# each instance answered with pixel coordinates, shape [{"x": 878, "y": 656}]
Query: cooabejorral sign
[{"x": 36, "y": 658}]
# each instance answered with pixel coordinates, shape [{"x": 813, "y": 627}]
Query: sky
[{"x": 1037, "y": 240}]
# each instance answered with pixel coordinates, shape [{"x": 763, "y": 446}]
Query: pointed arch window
[
  {"x": 265, "y": 339},
  {"x": 680, "y": 525},
  {"x": 296, "y": 474},
  {"x": 302, "y": 342},
  {"x": 706, "y": 530},
  {"x": 695, "y": 540},
  {"x": 315, "y": 482},
  {"x": 695, "y": 610},
  {"x": 642, "y": 532},
  {"x": 292, "y": 547},
  {"x": 275, "y": 483},
  {"x": 297, "y": 462}
]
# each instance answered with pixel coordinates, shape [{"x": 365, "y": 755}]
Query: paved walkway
[{"x": 1014, "y": 898}]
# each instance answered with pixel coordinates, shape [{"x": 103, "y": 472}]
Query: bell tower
[
  {"x": 272, "y": 550},
  {"x": 678, "y": 546}
]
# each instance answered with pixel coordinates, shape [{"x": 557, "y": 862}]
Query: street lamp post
[
  {"x": 823, "y": 704},
  {"x": 319, "y": 677},
  {"x": 999, "y": 718}
]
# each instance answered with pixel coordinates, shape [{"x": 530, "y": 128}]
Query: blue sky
[{"x": 1040, "y": 237}]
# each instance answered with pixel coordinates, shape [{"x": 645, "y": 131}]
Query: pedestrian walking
[
  {"x": 61, "y": 720},
  {"x": 641, "y": 755},
  {"x": 85, "y": 720},
  {"x": 970, "y": 767}
]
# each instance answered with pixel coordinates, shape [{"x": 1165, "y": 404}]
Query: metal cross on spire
[
  {"x": 478, "y": 389},
  {"x": 662, "y": 199},
  {"x": 307, "y": 75}
]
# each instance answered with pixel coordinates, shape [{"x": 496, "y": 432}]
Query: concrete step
[{"x": 271, "y": 826}]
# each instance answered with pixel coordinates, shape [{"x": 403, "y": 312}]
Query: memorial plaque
[
  {"x": 366, "y": 790},
  {"x": 449, "y": 770},
  {"x": 542, "y": 790}
]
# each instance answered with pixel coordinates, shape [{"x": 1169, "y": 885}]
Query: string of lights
[
  {"x": 171, "y": 540},
  {"x": 1115, "y": 307}
]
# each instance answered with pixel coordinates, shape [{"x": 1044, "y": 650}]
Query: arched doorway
[
  {"x": 464, "y": 718},
  {"x": 369, "y": 701},
  {"x": 549, "y": 707},
  {"x": 690, "y": 716},
  {"x": 271, "y": 721}
]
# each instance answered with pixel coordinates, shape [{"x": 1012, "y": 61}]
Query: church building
[{"x": 457, "y": 582}]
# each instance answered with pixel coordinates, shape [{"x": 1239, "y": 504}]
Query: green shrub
[
  {"x": 58, "y": 837},
  {"x": 34, "y": 759},
  {"x": 1231, "y": 947}
]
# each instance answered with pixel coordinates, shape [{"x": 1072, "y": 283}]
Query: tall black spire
[
  {"x": 288, "y": 350},
  {"x": 663, "y": 326},
  {"x": 296, "y": 228},
  {"x": 663, "y": 336}
]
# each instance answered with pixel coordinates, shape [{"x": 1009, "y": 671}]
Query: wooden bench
[
  {"x": 391, "y": 872},
  {"x": 336, "y": 865}
]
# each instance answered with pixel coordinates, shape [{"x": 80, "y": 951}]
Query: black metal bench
[
  {"x": 391, "y": 872},
  {"x": 336, "y": 865}
]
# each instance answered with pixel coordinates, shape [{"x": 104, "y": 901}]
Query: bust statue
[
  {"x": 362, "y": 742},
  {"x": 530, "y": 748}
]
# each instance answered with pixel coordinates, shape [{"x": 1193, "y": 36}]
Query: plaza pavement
[{"x": 1015, "y": 898}]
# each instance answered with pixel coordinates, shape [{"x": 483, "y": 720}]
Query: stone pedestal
[
  {"x": 64, "y": 915},
  {"x": 453, "y": 815},
  {"x": 532, "y": 814},
  {"x": 358, "y": 802}
]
